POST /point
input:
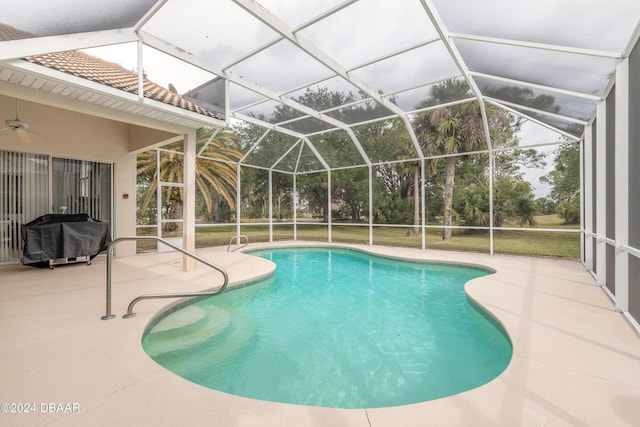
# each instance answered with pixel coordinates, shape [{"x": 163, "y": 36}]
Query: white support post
[
  {"x": 622, "y": 185},
  {"x": 296, "y": 201},
  {"x": 227, "y": 102},
  {"x": 238, "y": 199},
  {"x": 330, "y": 231},
  {"x": 491, "y": 167},
  {"x": 140, "y": 72},
  {"x": 270, "y": 206},
  {"x": 582, "y": 195},
  {"x": 158, "y": 197},
  {"x": 423, "y": 227},
  {"x": 601, "y": 193},
  {"x": 588, "y": 198},
  {"x": 189, "y": 202},
  {"x": 370, "y": 205}
]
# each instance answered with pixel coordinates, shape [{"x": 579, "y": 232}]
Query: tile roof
[{"x": 107, "y": 73}]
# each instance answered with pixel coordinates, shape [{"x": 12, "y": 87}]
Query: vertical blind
[
  {"x": 76, "y": 186},
  {"x": 24, "y": 183},
  {"x": 81, "y": 186}
]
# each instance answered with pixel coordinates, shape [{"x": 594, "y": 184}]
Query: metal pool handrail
[
  {"x": 238, "y": 239},
  {"x": 133, "y": 302}
]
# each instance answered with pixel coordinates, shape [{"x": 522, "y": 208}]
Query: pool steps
[{"x": 216, "y": 333}]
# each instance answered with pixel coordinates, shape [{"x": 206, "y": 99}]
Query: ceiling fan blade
[{"x": 24, "y": 136}]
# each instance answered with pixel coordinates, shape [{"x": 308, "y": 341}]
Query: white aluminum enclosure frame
[{"x": 443, "y": 34}]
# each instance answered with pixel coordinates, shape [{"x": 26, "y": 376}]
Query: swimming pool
[{"x": 337, "y": 328}]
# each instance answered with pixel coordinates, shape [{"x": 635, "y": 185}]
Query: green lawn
[{"x": 520, "y": 242}]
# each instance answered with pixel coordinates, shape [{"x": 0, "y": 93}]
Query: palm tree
[
  {"x": 215, "y": 171},
  {"x": 449, "y": 130},
  {"x": 215, "y": 167}
]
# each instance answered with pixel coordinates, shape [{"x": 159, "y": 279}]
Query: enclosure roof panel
[
  {"x": 42, "y": 18},
  {"x": 598, "y": 25},
  {"x": 332, "y": 66}
]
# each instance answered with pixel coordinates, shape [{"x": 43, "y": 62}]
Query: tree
[
  {"x": 545, "y": 205},
  {"x": 215, "y": 174},
  {"x": 171, "y": 167},
  {"x": 263, "y": 149},
  {"x": 394, "y": 184},
  {"x": 335, "y": 146},
  {"x": 405, "y": 151},
  {"x": 513, "y": 196},
  {"x": 514, "y": 200},
  {"x": 397, "y": 186},
  {"x": 450, "y": 130},
  {"x": 565, "y": 182},
  {"x": 459, "y": 128},
  {"x": 353, "y": 192},
  {"x": 215, "y": 168}
]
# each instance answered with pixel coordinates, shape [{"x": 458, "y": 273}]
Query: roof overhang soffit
[
  {"x": 12, "y": 52},
  {"x": 189, "y": 119}
]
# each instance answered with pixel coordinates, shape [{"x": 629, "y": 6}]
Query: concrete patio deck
[{"x": 576, "y": 360}]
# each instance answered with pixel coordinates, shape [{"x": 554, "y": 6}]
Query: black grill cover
[{"x": 63, "y": 236}]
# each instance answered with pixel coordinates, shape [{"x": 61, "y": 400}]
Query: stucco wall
[{"x": 80, "y": 136}]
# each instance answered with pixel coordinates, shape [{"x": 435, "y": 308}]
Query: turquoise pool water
[{"x": 337, "y": 328}]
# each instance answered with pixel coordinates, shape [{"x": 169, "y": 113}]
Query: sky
[
  {"x": 163, "y": 69},
  {"x": 393, "y": 47},
  {"x": 386, "y": 47}
]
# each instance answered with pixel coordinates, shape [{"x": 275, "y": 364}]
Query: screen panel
[
  {"x": 381, "y": 28},
  {"x": 48, "y": 18},
  {"x": 580, "y": 73},
  {"x": 634, "y": 147},
  {"x": 545, "y": 21},
  {"x": 611, "y": 166}
]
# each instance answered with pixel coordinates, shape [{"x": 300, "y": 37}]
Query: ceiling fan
[{"x": 19, "y": 127}]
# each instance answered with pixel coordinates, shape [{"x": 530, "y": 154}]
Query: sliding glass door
[
  {"x": 24, "y": 183},
  {"x": 79, "y": 186},
  {"x": 32, "y": 185}
]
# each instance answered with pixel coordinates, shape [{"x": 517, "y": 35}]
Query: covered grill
[{"x": 62, "y": 238}]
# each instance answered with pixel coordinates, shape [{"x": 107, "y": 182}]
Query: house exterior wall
[{"x": 68, "y": 134}]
